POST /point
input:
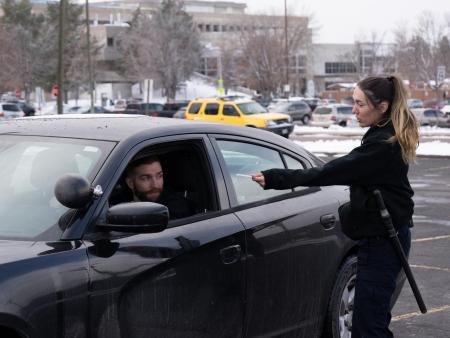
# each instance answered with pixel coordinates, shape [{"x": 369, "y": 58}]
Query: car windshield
[
  {"x": 11, "y": 107},
  {"x": 281, "y": 107},
  {"x": 322, "y": 110},
  {"x": 29, "y": 169},
  {"x": 344, "y": 110},
  {"x": 250, "y": 108}
]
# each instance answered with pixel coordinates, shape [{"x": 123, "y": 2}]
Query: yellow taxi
[{"x": 244, "y": 112}]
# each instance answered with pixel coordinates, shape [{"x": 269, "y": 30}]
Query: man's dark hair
[{"x": 140, "y": 161}]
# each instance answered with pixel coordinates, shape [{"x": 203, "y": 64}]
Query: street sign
[{"x": 440, "y": 76}]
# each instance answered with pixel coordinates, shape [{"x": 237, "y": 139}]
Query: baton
[{"x": 387, "y": 222}]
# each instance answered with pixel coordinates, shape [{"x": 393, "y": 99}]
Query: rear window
[
  {"x": 322, "y": 110},
  {"x": 344, "y": 110},
  {"x": 194, "y": 108},
  {"x": 11, "y": 107}
]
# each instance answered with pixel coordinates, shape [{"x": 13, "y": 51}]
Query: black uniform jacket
[{"x": 376, "y": 164}]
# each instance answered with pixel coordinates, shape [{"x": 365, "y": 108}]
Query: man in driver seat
[{"x": 146, "y": 180}]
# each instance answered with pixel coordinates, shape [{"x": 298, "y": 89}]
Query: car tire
[
  {"x": 306, "y": 119},
  {"x": 338, "y": 322}
]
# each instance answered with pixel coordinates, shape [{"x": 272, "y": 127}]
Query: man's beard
[{"x": 143, "y": 196}]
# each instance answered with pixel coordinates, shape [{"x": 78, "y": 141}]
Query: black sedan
[{"x": 247, "y": 263}]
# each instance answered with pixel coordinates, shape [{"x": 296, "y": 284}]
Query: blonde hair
[{"x": 392, "y": 90}]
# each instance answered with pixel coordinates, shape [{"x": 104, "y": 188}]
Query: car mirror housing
[
  {"x": 136, "y": 217},
  {"x": 73, "y": 191}
]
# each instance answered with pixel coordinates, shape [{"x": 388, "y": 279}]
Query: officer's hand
[{"x": 259, "y": 178}]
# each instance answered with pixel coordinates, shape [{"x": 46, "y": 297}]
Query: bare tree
[
  {"x": 262, "y": 42},
  {"x": 165, "y": 47},
  {"x": 8, "y": 57},
  {"x": 419, "y": 56}
]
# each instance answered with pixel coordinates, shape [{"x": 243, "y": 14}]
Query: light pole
[
  {"x": 88, "y": 43},
  {"x": 62, "y": 11},
  {"x": 286, "y": 52}
]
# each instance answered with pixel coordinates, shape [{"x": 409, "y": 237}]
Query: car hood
[{"x": 271, "y": 116}]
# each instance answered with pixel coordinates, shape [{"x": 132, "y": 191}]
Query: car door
[
  {"x": 291, "y": 241},
  {"x": 211, "y": 112},
  {"x": 185, "y": 281},
  {"x": 230, "y": 114}
]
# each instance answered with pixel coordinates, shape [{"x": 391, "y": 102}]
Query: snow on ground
[
  {"x": 355, "y": 131},
  {"x": 434, "y": 148}
]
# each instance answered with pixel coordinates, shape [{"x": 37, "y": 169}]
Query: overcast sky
[{"x": 343, "y": 21}]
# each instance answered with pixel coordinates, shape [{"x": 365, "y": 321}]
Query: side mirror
[
  {"x": 136, "y": 217},
  {"x": 73, "y": 191}
]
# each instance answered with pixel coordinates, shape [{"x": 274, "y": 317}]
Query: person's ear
[
  {"x": 129, "y": 183},
  {"x": 383, "y": 106}
]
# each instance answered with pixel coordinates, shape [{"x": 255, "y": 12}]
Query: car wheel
[
  {"x": 338, "y": 323},
  {"x": 306, "y": 119}
]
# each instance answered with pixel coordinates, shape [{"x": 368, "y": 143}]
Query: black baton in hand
[{"x": 387, "y": 222}]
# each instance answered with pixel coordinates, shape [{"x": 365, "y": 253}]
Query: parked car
[
  {"x": 150, "y": 108},
  {"x": 87, "y": 110},
  {"x": 73, "y": 263},
  {"x": 312, "y": 102},
  {"x": 170, "y": 108},
  {"x": 323, "y": 102},
  {"x": 10, "y": 111},
  {"x": 431, "y": 117},
  {"x": 180, "y": 113},
  {"x": 242, "y": 112},
  {"x": 120, "y": 104},
  {"x": 434, "y": 103},
  {"x": 415, "y": 103},
  {"x": 27, "y": 108},
  {"x": 325, "y": 116},
  {"x": 299, "y": 111},
  {"x": 446, "y": 110}
]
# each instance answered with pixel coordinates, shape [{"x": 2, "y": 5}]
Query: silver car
[
  {"x": 431, "y": 117},
  {"x": 10, "y": 111},
  {"x": 298, "y": 110},
  {"x": 325, "y": 116}
]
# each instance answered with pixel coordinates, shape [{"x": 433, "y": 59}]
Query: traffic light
[{"x": 55, "y": 90}]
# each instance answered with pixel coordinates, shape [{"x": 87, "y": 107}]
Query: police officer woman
[{"x": 381, "y": 162}]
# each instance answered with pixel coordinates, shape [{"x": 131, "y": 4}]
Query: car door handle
[
  {"x": 328, "y": 221},
  {"x": 230, "y": 254}
]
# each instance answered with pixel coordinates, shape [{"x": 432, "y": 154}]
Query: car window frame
[
  {"x": 124, "y": 159},
  {"x": 211, "y": 104},
  {"x": 228, "y": 180}
]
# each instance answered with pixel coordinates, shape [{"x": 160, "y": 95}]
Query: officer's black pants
[{"x": 378, "y": 269}]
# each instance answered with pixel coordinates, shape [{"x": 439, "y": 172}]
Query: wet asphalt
[{"x": 430, "y": 253}]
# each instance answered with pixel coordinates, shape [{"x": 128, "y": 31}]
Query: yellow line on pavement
[
  {"x": 427, "y": 267},
  {"x": 430, "y": 238},
  {"x": 415, "y": 314}
]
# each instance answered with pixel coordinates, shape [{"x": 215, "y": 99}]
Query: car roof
[
  {"x": 223, "y": 99},
  {"x": 118, "y": 127}
]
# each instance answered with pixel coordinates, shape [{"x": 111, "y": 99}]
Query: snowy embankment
[{"x": 343, "y": 146}]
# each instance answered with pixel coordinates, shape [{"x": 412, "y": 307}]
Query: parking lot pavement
[{"x": 430, "y": 254}]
